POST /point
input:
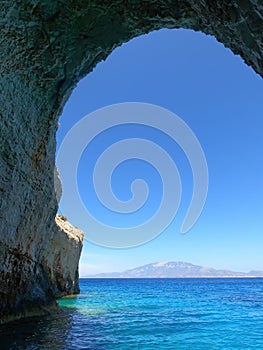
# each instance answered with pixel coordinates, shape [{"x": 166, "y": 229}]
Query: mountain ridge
[{"x": 176, "y": 269}]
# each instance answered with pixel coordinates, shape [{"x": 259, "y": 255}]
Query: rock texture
[
  {"x": 33, "y": 275},
  {"x": 46, "y": 47},
  {"x": 64, "y": 260}
]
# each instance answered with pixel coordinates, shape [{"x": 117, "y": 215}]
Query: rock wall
[
  {"x": 33, "y": 277},
  {"x": 46, "y": 47}
]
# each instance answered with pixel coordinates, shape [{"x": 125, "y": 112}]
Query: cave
[{"x": 46, "y": 48}]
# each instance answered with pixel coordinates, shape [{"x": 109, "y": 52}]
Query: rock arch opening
[
  {"x": 215, "y": 93},
  {"x": 46, "y": 48}
]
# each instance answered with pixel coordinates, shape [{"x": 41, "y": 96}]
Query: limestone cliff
[
  {"x": 46, "y": 47},
  {"x": 64, "y": 261},
  {"x": 33, "y": 277}
]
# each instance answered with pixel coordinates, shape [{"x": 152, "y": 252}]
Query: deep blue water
[{"x": 149, "y": 314}]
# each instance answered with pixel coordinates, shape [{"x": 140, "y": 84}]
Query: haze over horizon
[
  {"x": 175, "y": 269},
  {"x": 220, "y": 98}
]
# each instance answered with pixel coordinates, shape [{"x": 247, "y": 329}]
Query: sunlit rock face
[
  {"x": 36, "y": 273},
  {"x": 45, "y": 48}
]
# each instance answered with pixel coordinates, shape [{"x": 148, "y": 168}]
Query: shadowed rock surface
[
  {"x": 31, "y": 280},
  {"x": 46, "y": 47}
]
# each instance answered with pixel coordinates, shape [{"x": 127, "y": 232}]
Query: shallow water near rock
[{"x": 148, "y": 314}]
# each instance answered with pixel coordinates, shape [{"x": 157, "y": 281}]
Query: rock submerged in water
[{"x": 31, "y": 279}]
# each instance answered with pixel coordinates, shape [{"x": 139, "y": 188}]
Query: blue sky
[{"x": 220, "y": 98}]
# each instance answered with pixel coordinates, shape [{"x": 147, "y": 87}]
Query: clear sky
[{"x": 220, "y": 98}]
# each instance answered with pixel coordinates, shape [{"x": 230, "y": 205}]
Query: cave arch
[{"x": 46, "y": 48}]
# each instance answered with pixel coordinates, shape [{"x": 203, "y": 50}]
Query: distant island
[{"x": 177, "y": 269}]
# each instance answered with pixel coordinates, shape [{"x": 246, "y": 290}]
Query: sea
[{"x": 148, "y": 314}]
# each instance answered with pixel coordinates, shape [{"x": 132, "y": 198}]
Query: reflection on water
[
  {"x": 35, "y": 332},
  {"x": 51, "y": 332},
  {"x": 148, "y": 314}
]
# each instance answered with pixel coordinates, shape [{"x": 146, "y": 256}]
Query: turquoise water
[{"x": 149, "y": 314}]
